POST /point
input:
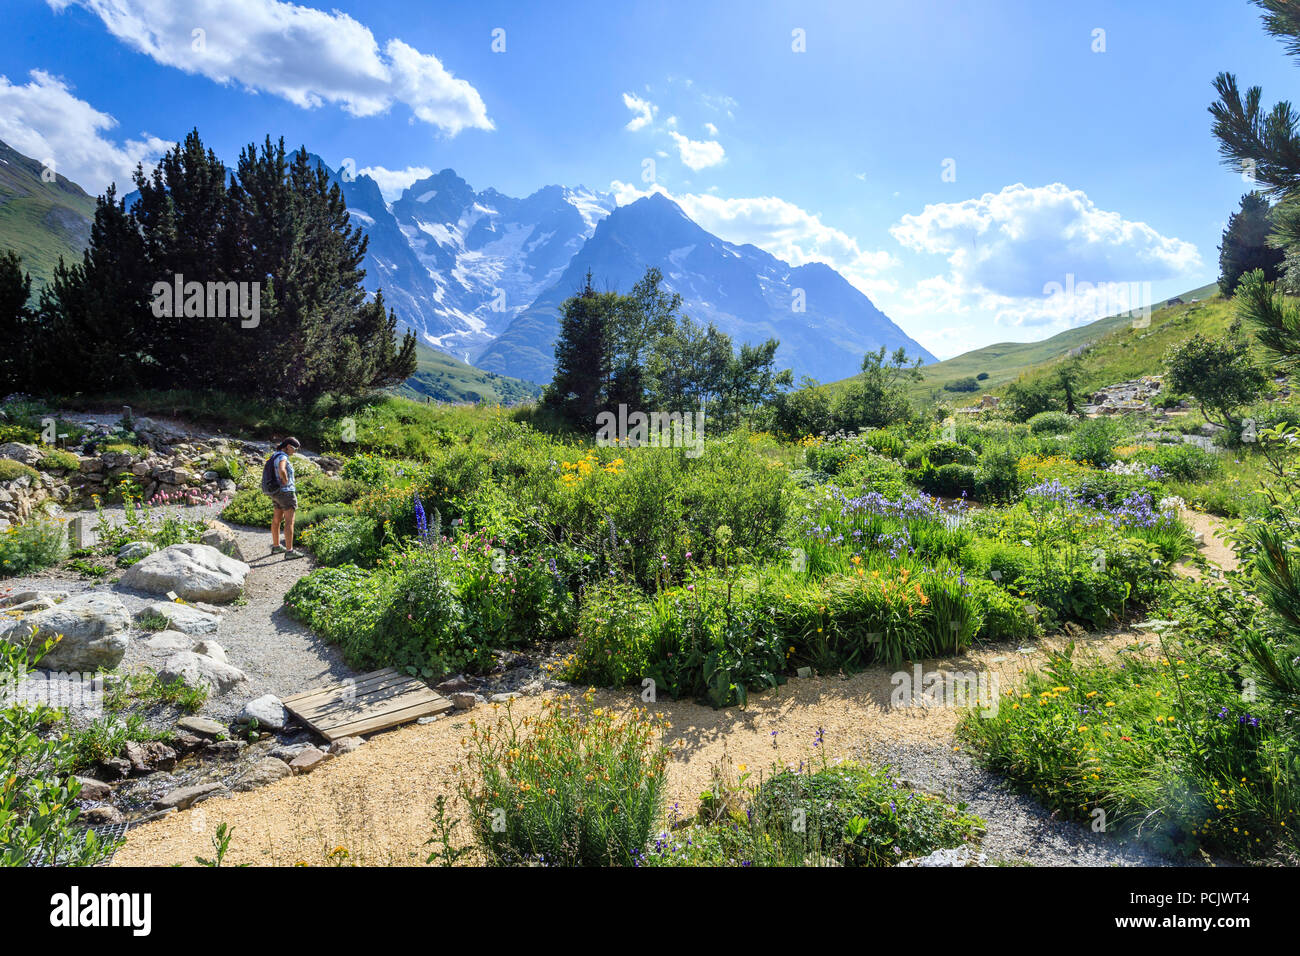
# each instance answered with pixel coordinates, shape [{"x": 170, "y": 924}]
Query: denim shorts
[{"x": 285, "y": 500}]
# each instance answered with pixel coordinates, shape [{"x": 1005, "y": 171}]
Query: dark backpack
[{"x": 270, "y": 480}]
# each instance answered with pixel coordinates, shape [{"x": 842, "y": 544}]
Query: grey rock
[
  {"x": 22, "y": 453},
  {"x": 286, "y": 752},
  {"x": 24, "y": 597},
  {"x": 92, "y": 789},
  {"x": 211, "y": 649},
  {"x": 464, "y": 701},
  {"x": 223, "y": 541},
  {"x": 148, "y": 757},
  {"x": 453, "y": 685},
  {"x": 957, "y": 856},
  {"x": 267, "y": 770},
  {"x": 503, "y": 698},
  {"x": 267, "y": 711},
  {"x": 169, "y": 642},
  {"x": 135, "y": 550},
  {"x": 308, "y": 760},
  {"x": 345, "y": 745},
  {"x": 198, "y": 669},
  {"x": 201, "y": 727},
  {"x": 188, "y": 796},
  {"x": 116, "y": 768},
  {"x": 101, "y": 816},
  {"x": 94, "y": 629},
  {"x": 224, "y": 749},
  {"x": 196, "y": 572}
]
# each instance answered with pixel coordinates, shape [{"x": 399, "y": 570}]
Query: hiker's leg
[
  {"x": 276, "y": 515},
  {"x": 288, "y": 528}
]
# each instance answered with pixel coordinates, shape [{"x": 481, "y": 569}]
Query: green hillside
[
  {"x": 442, "y": 378},
  {"x": 41, "y": 220},
  {"x": 1110, "y": 350}
]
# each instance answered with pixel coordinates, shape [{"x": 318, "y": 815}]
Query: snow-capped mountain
[
  {"x": 482, "y": 275},
  {"x": 457, "y": 265},
  {"x": 824, "y": 324}
]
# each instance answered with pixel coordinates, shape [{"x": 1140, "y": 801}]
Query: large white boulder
[
  {"x": 94, "y": 629},
  {"x": 196, "y": 572},
  {"x": 198, "y": 669}
]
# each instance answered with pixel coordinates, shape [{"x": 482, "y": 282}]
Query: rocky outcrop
[
  {"x": 92, "y": 630},
  {"x": 1125, "y": 397},
  {"x": 195, "y": 572}
]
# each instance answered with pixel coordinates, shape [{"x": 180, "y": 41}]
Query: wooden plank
[
  {"x": 344, "y": 697},
  {"x": 346, "y": 712},
  {"x": 390, "y": 719},
  {"x": 358, "y": 685},
  {"x": 374, "y": 701}
]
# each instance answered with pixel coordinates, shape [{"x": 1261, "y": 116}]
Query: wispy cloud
[{"x": 643, "y": 111}]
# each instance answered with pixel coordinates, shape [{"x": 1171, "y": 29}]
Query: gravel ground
[
  {"x": 376, "y": 801},
  {"x": 279, "y": 655}
]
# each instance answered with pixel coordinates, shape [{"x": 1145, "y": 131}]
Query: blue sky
[{"x": 952, "y": 159}]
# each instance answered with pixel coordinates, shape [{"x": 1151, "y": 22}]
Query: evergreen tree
[
  {"x": 582, "y": 357},
  {"x": 16, "y": 332},
  {"x": 182, "y": 219},
  {"x": 1245, "y": 245},
  {"x": 89, "y": 319}
]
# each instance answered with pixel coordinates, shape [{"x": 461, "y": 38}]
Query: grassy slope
[
  {"x": 443, "y": 378},
  {"x": 1116, "y": 350},
  {"x": 41, "y": 220}
]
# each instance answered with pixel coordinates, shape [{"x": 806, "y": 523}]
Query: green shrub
[
  {"x": 58, "y": 460},
  {"x": 10, "y": 469},
  {"x": 343, "y": 539},
  {"x": 849, "y": 815},
  {"x": 1166, "y": 747},
  {"x": 1051, "y": 423},
  {"x": 29, "y": 547},
  {"x": 576, "y": 786},
  {"x": 38, "y": 808},
  {"x": 1093, "y": 441},
  {"x": 939, "y": 453},
  {"x": 948, "y": 481},
  {"x": 997, "y": 479},
  {"x": 876, "y": 473},
  {"x": 1187, "y": 462}
]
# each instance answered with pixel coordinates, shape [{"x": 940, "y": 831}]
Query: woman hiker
[{"x": 277, "y": 481}]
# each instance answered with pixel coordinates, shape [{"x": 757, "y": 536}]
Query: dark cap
[{"x": 289, "y": 441}]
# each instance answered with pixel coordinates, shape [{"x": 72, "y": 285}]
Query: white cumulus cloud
[
  {"x": 698, "y": 154},
  {"x": 392, "y": 182},
  {"x": 44, "y": 120},
  {"x": 1039, "y": 256},
  {"x": 307, "y": 56}
]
